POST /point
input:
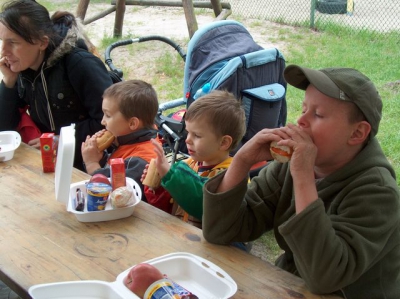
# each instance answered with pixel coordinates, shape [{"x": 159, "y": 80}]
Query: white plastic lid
[{"x": 64, "y": 163}]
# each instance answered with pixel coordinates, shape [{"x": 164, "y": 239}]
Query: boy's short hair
[
  {"x": 344, "y": 84},
  {"x": 223, "y": 112},
  {"x": 136, "y": 98}
]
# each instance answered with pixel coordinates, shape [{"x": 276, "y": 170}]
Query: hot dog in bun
[
  {"x": 280, "y": 153},
  {"x": 105, "y": 141},
  {"x": 152, "y": 178}
]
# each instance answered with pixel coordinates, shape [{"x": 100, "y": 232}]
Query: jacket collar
[
  {"x": 75, "y": 37},
  {"x": 136, "y": 137}
]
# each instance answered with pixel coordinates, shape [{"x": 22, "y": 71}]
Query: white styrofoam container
[
  {"x": 109, "y": 213},
  {"x": 9, "y": 142},
  {"x": 196, "y": 274},
  {"x": 65, "y": 191}
]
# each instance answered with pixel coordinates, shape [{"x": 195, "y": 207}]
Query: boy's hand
[
  {"x": 161, "y": 162},
  {"x": 302, "y": 166},
  {"x": 304, "y": 151},
  {"x": 144, "y": 172},
  {"x": 257, "y": 148},
  {"x": 90, "y": 154},
  {"x": 99, "y": 133},
  {"x": 253, "y": 151}
]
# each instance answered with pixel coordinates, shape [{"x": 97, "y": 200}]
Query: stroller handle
[
  {"x": 172, "y": 104},
  {"x": 107, "y": 55}
]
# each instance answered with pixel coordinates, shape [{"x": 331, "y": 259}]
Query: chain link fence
[{"x": 380, "y": 16}]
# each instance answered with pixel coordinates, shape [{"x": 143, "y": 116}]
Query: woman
[{"x": 47, "y": 67}]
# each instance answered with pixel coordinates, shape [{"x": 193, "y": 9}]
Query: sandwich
[{"x": 280, "y": 153}]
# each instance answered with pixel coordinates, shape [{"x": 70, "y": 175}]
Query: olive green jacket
[{"x": 347, "y": 241}]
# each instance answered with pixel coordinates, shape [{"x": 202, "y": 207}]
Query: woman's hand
[
  {"x": 34, "y": 143},
  {"x": 9, "y": 77}
]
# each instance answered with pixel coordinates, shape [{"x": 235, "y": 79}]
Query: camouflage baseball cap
[{"x": 344, "y": 84}]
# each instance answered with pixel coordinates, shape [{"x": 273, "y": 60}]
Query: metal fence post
[{"x": 312, "y": 14}]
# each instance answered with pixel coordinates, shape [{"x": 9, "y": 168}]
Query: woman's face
[{"x": 20, "y": 55}]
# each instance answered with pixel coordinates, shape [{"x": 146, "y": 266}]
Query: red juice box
[
  {"x": 48, "y": 150},
  {"x": 117, "y": 167}
]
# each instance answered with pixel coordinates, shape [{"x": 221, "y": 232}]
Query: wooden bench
[{"x": 221, "y": 11}]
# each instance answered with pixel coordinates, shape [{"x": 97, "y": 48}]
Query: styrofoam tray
[
  {"x": 66, "y": 192},
  {"x": 109, "y": 213},
  {"x": 9, "y": 142},
  {"x": 196, "y": 274}
]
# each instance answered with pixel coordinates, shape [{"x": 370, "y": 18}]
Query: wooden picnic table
[{"x": 43, "y": 243}]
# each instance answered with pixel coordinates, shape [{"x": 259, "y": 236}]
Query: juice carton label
[
  {"x": 118, "y": 178},
  {"x": 48, "y": 151}
]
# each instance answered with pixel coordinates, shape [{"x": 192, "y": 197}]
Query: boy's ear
[
  {"x": 226, "y": 142},
  {"x": 360, "y": 133},
  {"x": 134, "y": 123}
]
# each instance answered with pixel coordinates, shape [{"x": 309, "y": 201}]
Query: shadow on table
[{"x": 6, "y": 292}]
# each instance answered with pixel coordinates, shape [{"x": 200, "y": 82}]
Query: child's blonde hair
[
  {"x": 136, "y": 99},
  {"x": 223, "y": 112}
]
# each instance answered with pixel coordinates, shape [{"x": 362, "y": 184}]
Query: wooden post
[
  {"x": 217, "y": 7},
  {"x": 198, "y": 4},
  {"x": 82, "y": 8},
  {"x": 119, "y": 18},
  {"x": 223, "y": 15},
  {"x": 100, "y": 15},
  {"x": 190, "y": 16}
]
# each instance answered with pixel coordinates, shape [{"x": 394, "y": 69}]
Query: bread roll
[
  {"x": 105, "y": 141},
  {"x": 152, "y": 179},
  {"x": 121, "y": 197},
  {"x": 281, "y": 153}
]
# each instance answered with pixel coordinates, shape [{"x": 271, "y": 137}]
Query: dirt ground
[{"x": 167, "y": 22}]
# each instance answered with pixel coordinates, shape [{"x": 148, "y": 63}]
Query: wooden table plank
[{"x": 43, "y": 243}]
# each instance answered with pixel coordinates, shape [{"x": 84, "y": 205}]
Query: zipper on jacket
[
  {"x": 34, "y": 99},
  {"x": 33, "y": 95}
]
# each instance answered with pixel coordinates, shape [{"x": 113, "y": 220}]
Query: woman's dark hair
[
  {"x": 28, "y": 19},
  {"x": 32, "y": 21}
]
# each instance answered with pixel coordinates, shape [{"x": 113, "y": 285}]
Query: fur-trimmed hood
[{"x": 75, "y": 37}]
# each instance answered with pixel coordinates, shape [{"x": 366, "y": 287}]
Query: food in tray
[
  {"x": 105, "y": 140},
  {"x": 99, "y": 178},
  {"x": 140, "y": 277},
  {"x": 281, "y": 153},
  {"x": 152, "y": 179},
  {"x": 147, "y": 282},
  {"x": 117, "y": 172},
  {"x": 121, "y": 197},
  {"x": 97, "y": 196},
  {"x": 79, "y": 200}
]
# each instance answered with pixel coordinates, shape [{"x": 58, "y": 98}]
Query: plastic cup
[{"x": 97, "y": 196}]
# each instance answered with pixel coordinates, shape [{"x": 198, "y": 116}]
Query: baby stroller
[{"x": 223, "y": 55}]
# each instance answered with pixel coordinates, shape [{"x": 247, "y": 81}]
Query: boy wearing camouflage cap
[{"x": 335, "y": 207}]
